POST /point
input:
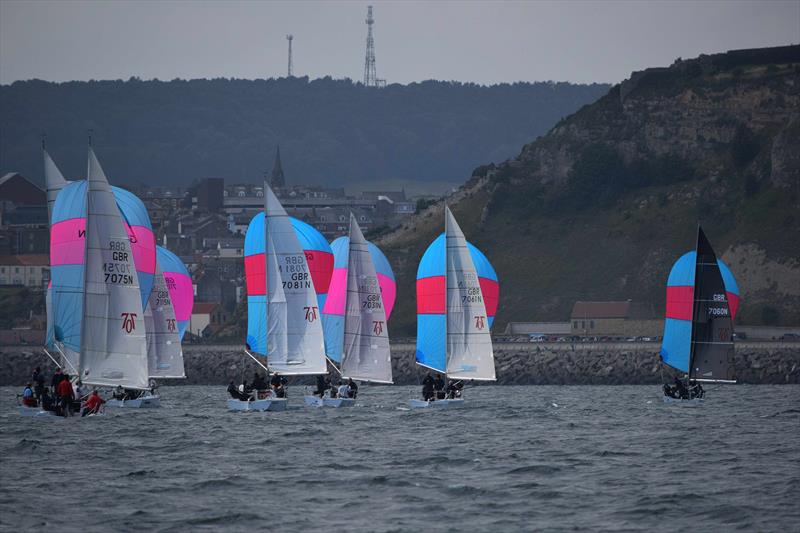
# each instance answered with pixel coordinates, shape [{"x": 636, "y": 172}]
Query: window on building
[
  {"x": 322, "y": 218},
  {"x": 583, "y": 324},
  {"x": 362, "y": 218},
  {"x": 575, "y": 324},
  {"x": 16, "y": 270},
  {"x": 241, "y": 194},
  {"x": 591, "y": 324}
]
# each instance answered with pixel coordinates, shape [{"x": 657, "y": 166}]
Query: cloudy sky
[{"x": 484, "y": 42}]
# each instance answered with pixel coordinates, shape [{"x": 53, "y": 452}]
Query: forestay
[
  {"x": 295, "y": 343},
  {"x": 469, "y": 343},
  {"x": 164, "y": 352},
  {"x": 365, "y": 353},
  {"x": 113, "y": 343}
]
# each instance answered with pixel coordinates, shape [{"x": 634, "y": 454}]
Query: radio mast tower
[
  {"x": 370, "y": 79},
  {"x": 291, "y": 65}
]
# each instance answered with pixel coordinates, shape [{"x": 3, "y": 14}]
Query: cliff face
[{"x": 601, "y": 206}]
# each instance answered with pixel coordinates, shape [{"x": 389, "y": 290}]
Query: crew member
[
  {"x": 92, "y": 404},
  {"x": 38, "y": 382},
  {"x": 27, "y": 397},
  {"x": 438, "y": 387},
  {"x": 323, "y": 384},
  {"x": 353, "y": 388},
  {"x": 65, "y": 395},
  {"x": 427, "y": 387}
]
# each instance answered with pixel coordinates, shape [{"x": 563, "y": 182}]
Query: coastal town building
[
  {"x": 27, "y": 270},
  {"x": 614, "y": 319}
]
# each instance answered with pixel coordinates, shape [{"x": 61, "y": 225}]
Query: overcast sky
[{"x": 484, "y": 42}]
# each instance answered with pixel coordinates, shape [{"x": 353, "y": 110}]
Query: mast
[
  {"x": 85, "y": 261},
  {"x": 446, "y": 285},
  {"x": 266, "y": 275}
]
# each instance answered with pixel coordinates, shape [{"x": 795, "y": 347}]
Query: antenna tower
[
  {"x": 370, "y": 78},
  {"x": 291, "y": 65}
]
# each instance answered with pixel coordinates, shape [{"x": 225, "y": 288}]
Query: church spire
[{"x": 277, "y": 180}]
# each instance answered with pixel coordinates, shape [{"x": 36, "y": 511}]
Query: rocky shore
[{"x": 516, "y": 363}]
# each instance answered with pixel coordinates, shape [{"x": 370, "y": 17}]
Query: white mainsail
[
  {"x": 469, "y": 343},
  {"x": 113, "y": 342},
  {"x": 295, "y": 343},
  {"x": 365, "y": 355},
  {"x": 54, "y": 180},
  {"x": 164, "y": 352}
]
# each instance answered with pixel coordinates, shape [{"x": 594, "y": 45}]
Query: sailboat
[
  {"x": 363, "y": 347},
  {"x": 702, "y": 297},
  {"x": 290, "y": 336},
  {"x": 102, "y": 341},
  {"x": 164, "y": 352},
  {"x": 455, "y": 342}
]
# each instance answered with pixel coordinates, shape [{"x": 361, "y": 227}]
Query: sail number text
[{"x": 118, "y": 270}]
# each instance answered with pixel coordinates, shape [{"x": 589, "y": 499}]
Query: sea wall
[{"x": 516, "y": 363}]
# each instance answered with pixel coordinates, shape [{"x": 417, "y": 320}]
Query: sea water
[{"x": 551, "y": 458}]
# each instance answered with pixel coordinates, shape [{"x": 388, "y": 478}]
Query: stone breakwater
[{"x": 516, "y": 363}]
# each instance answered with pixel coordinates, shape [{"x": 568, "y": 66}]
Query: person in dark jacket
[
  {"x": 353, "y": 388},
  {"x": 235, "y": 394},
  {"x": 38, "y": 382},
  {"x": 454, "y": 387},
  {"x": 258, "y": 382},
  {"x": 56, "y": 379},
  {"x": 47, "y": 401},
  {"x": 278, "y": 384},
  {"x": 427, "y": 387},
  {"x": 438, "y": 387},
  {"x": 323, "y": 384}
]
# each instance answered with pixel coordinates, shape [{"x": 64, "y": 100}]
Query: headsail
[
  {"x": 295, "y": 342},
  {"x": 469, "y": 343},
  {"x": 365, "y": 353},
  {"x": 712, "y": 326},
  {"x": 164, "y": 352},
  {"x": 113, "y": 343}
]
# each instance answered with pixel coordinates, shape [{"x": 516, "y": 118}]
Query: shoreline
[{"x": 516, "y": 364}]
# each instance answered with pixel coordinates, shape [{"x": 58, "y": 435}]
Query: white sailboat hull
[
  {"x": 441, "y": 404},
  {"x": 316, "y": 401},
  {"x": 34, "y": 411},
  {"x": 149, "y": 401},
  {"x": 269, "y": 404},
  {"x": 694, "y": 402}
]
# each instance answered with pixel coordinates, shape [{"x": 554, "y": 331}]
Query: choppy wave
[{"x": 603, "y": 459}]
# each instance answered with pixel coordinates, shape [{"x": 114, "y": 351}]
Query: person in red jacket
[
  {"x": 65, "y": 395},
  {"x": 92, "y": 404}
]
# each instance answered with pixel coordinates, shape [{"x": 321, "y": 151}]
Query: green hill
[
  {"x": 331, "y": 132},
  {"x": 601, "y": 206}
]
